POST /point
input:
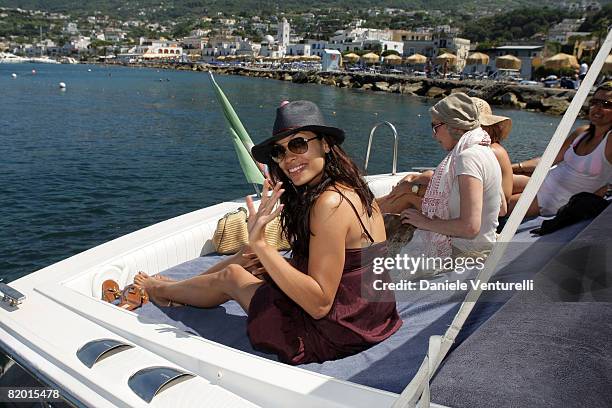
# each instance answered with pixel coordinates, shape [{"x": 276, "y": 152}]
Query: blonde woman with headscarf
[
  {"x": 410, "y": 190},
  {"x": 464, "y": 197}
]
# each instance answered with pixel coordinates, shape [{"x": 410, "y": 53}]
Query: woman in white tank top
[{"x": 584, "y": 162}]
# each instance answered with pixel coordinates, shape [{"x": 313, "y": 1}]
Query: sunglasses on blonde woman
[
  {"x": 434, "y": 127},
  {"x": 299, "y": 145}
]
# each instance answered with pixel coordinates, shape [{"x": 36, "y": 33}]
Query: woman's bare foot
[
  {"x": 163, "y": 278},
  {"x": 152, "y": 285}
]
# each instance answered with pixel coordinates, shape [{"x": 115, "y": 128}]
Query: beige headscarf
[{"x": 458, "y": 111}]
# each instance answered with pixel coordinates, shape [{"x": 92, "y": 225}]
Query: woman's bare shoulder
[
  {"x": 577, "y": 132},
  {"x": 500, "y": 152},
  {"x": 335, "y": 197}
]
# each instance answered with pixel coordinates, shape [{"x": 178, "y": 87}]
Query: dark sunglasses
[
  {"x": 299, "y": 145},
  {"x": 602, "y": 103},
  {"x": 434, "y": 127}
]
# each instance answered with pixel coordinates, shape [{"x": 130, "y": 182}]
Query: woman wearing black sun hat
[{"x": 321, "y": 304}]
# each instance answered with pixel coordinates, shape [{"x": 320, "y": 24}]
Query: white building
[
  {"x": 384, "y": 45},
  {"x": 248, "y": 47},
  {"x": 114, "y": 34},
  {"x": 194, "y": 43},
  {"x": 526, "y": 53},
  {"x": 298, "y": 49},
  {"x": 360, "y": 34},
  {"x": 317, "y": 47},
  {"x": 360, "y": 39},
  {"x": 563, "y": 30},
  {"x": 284, "y": 32},
  {"x": 260, "y": 27},
  {"x": 592, "y": 6},
  {"x": 460, "y": 47},
  {"x": 71, "y": 28},
  {"x": 46, "y": 47},
  {"x": 220, "y": 46},
  {"x": 150, "y": 49},
  {"x": 199, "y": 33},
  {"x": 432, "y": 44},
  {"x": 77, "y": 45}
]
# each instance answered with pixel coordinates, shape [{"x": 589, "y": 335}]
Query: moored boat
[{"x": 8, "y": 58}]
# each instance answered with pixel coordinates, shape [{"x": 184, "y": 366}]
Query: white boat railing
[{"x": 395, "y": 145}]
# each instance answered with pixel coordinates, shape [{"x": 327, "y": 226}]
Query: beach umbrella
[
  {"x": 508, "y": 62},
  {"x": 240, "y": 138},
  {"x": 477, "y": 58},
  {"x": 560, "y": 61},
  {"x": 608, "y": 64},
  {"x": 370, "y": 58},
  {"x": 416, "y": 59},
  {"x": 393, "y": 59},
  {"x": 447, "y": 57},
  {"x": 351, "y": 57}
]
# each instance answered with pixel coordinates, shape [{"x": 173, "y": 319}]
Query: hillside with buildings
[
  {"x": 186, "y": 8},
  {"x": 155, "y": 34}
]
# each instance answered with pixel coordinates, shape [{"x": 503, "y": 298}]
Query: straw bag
[{"x": 232, "y": 233}]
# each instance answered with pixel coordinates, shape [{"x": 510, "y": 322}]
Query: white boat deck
[{"x": 63, "y": 311}]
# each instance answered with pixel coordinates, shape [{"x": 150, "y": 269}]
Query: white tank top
[{"x": 573, "y": 175}]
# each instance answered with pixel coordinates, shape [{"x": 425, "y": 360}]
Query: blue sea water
[{"x": 124, "y": 148}]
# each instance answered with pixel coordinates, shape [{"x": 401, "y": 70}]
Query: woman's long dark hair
[{"x": 298, "y": 201}]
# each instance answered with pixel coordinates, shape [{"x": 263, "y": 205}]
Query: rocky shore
[{"x": 534, "y": 98}]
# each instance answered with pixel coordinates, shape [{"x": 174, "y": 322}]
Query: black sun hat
[{"x": 293, "y": 117}]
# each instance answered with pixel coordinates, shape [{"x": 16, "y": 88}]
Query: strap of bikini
[{"x": 357, "y": 214}]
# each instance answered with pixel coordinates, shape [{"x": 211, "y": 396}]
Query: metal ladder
[{"x": 395, "y": 144}]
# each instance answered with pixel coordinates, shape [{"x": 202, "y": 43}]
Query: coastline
[{"x": 551, "y": 101}]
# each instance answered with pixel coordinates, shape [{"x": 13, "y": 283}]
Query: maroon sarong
[{"x": 359, "y": 317}]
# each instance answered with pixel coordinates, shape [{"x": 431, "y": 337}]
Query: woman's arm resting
[
  {"x": 470, "y": 213},
  {"x": 528, "y": 166}
]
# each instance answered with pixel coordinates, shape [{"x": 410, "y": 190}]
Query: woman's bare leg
[
  {"x": 533, "y": 210},
  {"x": 209, "y": 290},
  {"x": 519, "y": 182}
]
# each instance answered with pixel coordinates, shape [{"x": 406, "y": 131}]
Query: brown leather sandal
[
  {"x": 110, "y": 291},
  {"x": 132, "y": 297}
]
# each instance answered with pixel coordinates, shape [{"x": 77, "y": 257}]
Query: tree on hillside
[
  {"x": 390, "y": 52},
  {"x": 514, "y": 25},
  {"x": 598, "y": 21}
]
